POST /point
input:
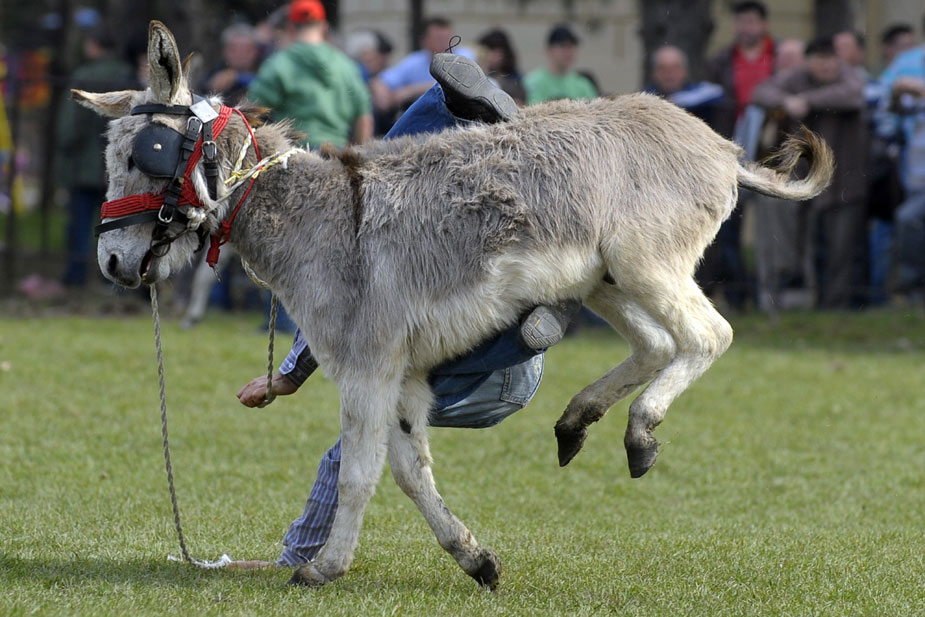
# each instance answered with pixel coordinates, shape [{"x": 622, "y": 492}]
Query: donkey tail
[{"x": 774, "y": 180}]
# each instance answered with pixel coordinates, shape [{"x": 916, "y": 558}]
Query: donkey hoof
[
  {"x": 307, "y": 576},
  {"x": 641, "y": 457},
  {"x": 488, "y": 571},
  {"x": 570, "y": 441}
]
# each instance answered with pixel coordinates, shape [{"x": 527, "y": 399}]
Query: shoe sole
[{"x": 470, "y": 83}]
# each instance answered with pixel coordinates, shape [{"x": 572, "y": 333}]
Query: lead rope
[
  {"x": 224, "y": 560},
  {"x": 269, "y": 395}
]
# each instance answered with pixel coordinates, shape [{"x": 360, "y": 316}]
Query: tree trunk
[
  {"x": 686, "y": 24},
  {"x": 834, "y": 16}
]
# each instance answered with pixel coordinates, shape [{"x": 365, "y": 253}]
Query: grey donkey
[{"x": 396, "y": 256}]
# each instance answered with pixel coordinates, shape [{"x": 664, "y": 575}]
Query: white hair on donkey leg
[{"x": 399, "y": 255}]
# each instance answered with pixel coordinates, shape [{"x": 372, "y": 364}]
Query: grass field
[{"x": 791, "y": 482}]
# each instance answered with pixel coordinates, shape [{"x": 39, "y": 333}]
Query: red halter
[
  {"x": 140, "y": 202},
  {"x": 143, "y": 205}
]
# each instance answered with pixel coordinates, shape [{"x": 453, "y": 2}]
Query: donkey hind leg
[
  {"x": 409, "y": 458},
  {"x": 701, "y": 335},
  {"x": 652, "y": 349},
  {"x": 366, "y": 408}
]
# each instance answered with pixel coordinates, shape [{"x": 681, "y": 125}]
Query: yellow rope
[{"x": 239, "y": 175}]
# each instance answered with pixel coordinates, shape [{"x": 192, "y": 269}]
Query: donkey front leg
[
  {"x": 367, "y": 406},
  {"x": 409, "y": 457}
]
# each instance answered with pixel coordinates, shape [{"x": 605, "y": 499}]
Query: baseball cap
[
  {"x": 561, "y": 35},
  {"x": 305, "y": 11}
]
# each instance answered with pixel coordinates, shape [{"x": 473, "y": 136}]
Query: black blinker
[{"x": 156, "y": 150}]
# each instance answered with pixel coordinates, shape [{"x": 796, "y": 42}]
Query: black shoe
[
  {"x": 470, "y": 95},
  {"x": 546, "y": 324}
]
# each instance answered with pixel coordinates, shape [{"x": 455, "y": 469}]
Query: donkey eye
[{"x": 131, "y": 163}]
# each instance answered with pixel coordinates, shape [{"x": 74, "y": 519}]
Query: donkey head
[{"x": 126, "y": 253}]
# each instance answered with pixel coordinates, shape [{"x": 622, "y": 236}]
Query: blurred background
[{"x": 51, "y": 182}]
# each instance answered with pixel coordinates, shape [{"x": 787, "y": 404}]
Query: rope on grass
[{"x": 224, "y": 560}]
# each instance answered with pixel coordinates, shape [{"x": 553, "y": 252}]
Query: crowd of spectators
[{"x": 861, "y": 243}]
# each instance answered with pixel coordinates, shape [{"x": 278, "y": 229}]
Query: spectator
[
  {"x": 559, "y": 80},
  {"x": 789, "y": 54},
  {"x": 273, "y": 33},
  {"x": 313, "y": 84},
  {"x": 849, "y": 46},
  {"x": 884, "y": 188},
  {"x": 904, "y": 81},
  {"x": 895, "y": 40},
  {"x": 499, "y": 61},
  {"x": 371, "y": 50},
  {"x": 80, "y": 145},
  {"x": 240, "y": 57},
  {"x": 828, "y": 97},
  {"x": 738, "y": 68},
  {"x": 782, "y": 250},
  {"x": 670, "y": 80},
  {"x": 397, "y": 87}
]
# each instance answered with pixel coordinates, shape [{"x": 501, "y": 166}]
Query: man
[
  {"x": 478, "y": 390},
  {"x": 81, "y": 143},
  {"x": 397, "y": 87},
  {"x": 319, "y": 88},
  {"x": 371, "y": 50},
  {"x": 895, "y": 40},
  {"x": 904, "y": 81},
  {"x": 240, "y": 57},
  {"x": 782, "y": 267},
  {"x": 559, "y": 80},
  {"x": 738, "y": 68},
  {"x": 828, "y": 97},
  {"x": 670, "y": 80},
  {"x": 789, "y": 54},
  {"x": 883, "y": 184}
]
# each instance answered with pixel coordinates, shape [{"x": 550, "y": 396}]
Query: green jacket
[
  {"x": 316, "y": 86},
  {"x": 81, "y": 132},
  {"x": 541, "y": 85}
]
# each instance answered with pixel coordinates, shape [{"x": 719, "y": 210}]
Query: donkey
[{"x": 396, "y": 256}]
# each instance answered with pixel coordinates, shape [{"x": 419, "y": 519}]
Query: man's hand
[
  {"x": 252, "y": 394},
  {"x": 796, "y": 107},
  {"x": 908, "y": 85}
]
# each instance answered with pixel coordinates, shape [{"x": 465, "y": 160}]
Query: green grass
[{"x": 790, "y": 482}]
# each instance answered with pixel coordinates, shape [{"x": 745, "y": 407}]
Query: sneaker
[
  {"x": 546, "y": 324},
  {"x": 470, "y": 95}
]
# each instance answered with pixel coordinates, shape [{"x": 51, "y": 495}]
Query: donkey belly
[{"x": 513, "y": 283}]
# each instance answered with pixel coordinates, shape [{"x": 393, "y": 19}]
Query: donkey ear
[
  {"x": 164, "y": 62},
  {"x": 109, "y": 104}
]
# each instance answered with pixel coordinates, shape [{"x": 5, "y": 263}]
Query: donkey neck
[{"x": 292, "y": 218}]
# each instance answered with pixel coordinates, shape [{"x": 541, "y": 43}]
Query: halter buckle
[
  {"x": 190, "y": 121},
  {"x": 209, "y": 150}
]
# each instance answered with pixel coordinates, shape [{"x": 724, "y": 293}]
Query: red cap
[{"x": 305, "y": 11}]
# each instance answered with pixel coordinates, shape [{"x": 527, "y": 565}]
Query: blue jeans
[
  {"x": 477, "y": 390},
  {"x": 880, "y": 248}
]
